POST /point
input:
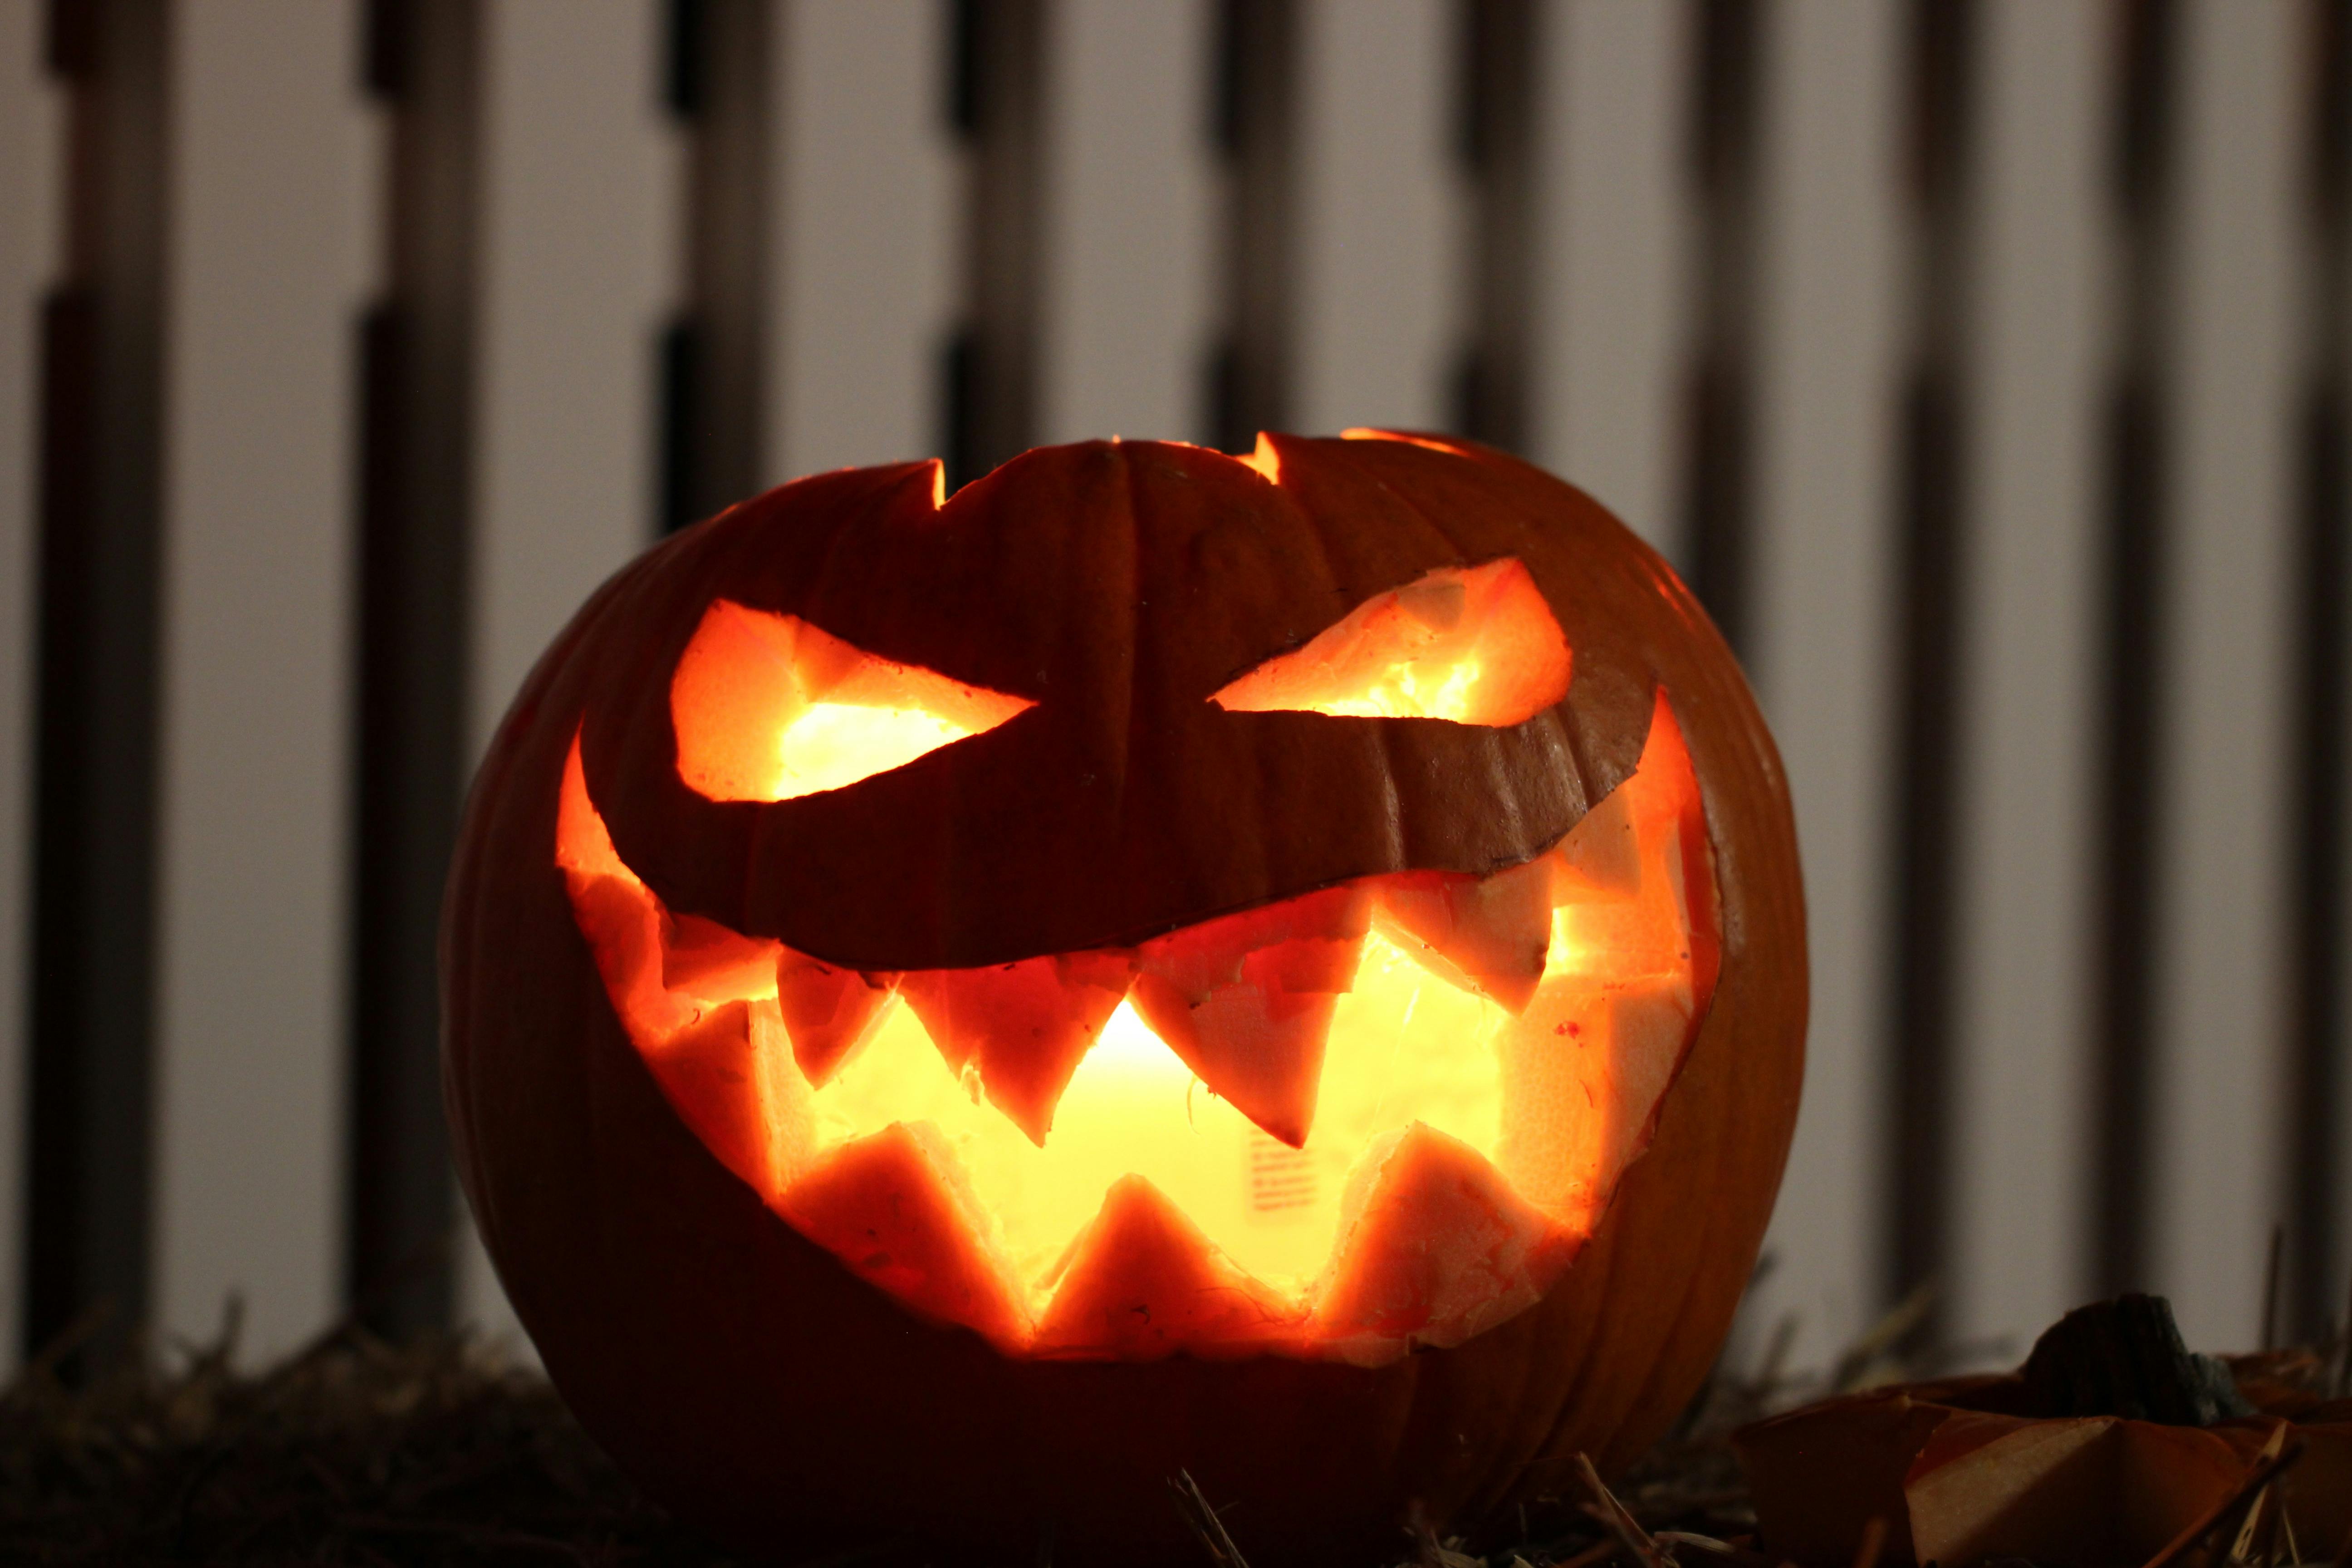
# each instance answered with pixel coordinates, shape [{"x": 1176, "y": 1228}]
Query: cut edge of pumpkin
[{"x": 1381, "y": 1292}]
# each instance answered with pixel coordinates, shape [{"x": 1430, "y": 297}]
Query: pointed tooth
[
  {"x": 892, "y": 1205},
  {"x": 828, "y": 1012},
  {"x": 1143, "y": 1281},
  {"x": 709, "y": 1072},
  {"x": 1415, "y": 913},
  {"x": 1603, "y": 853},
  {"x": 1435, "y": 1247},
  {"x": 1024, "y": 1026},
  {"x": 622, "y": 922},
  {"x": 1260, "y": 1049},
  {"x": 1319, "y": 930},
  {"x": 1584, "y": 1071},
  {"x": 707, "y": 960},
  {"x": 1488, "y": 934},
  {"x": 1688, "y": 860},
  {"x": 1637, "y": 879},
  {"x": 1246, "y": 1000}
]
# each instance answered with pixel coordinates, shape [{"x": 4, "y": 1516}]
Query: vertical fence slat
[
  {"x": 1824, "y": 515},
  {"x": 2336, "y": 1268},
  {"x": 29, "y": 169},
  {"x": 270, "y": 181},
  {"x": 90, "y": 1210},
  {"x": 865, "y": 243},
  {"x": 1377, "y": 269},
  {"x": 579, "y": 209},
  {"x": 2022, "y": 1183},
  {"x": 2220, "y": 1059},
  {"x": 1613, "y": 85},
  {"x": 2333, "y": 1286},
  {"x": 1125, "y": 307},
  {"x": 416, "y": 506}
]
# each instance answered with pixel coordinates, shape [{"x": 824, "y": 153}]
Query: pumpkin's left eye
[
  {"x": 1475, "y": 645},
  {"x": 769, "y": 707}
]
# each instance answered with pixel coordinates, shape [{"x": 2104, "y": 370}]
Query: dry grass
[
  {"x": 355, "y": 1452},
  {"x": 350, "y": 1452}
]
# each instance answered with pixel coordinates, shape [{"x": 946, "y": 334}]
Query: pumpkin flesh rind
[{"x": 684, "y": 1322}]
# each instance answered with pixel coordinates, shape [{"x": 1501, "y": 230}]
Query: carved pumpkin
[{"x": 1288, "y": 968}]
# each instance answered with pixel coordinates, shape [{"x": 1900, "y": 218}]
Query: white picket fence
[{"x": 277, "y": 204}]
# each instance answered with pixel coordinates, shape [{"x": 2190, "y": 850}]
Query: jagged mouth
[{"x": 1379, "y": 1115}]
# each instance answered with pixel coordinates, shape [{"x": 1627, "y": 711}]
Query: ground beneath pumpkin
[{"x": 358, "y": 1452}]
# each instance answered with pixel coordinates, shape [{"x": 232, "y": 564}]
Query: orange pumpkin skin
[{"x": 754, "y": 1383}]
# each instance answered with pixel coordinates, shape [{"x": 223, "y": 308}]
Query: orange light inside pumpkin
[
  {"x": 1475, "y": 644},
  {"x": 1379, "y": 1115},
  {"x": 770, "y": 708}
]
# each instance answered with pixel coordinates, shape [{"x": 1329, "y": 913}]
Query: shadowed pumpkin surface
[{"x": 747, "y": 1375}]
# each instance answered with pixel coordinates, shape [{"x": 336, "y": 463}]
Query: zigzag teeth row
[
  {"x": 1246, "y": 1000},
  {"x": 1143, "y": 1281}
]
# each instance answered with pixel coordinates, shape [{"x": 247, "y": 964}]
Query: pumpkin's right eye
[
  {"x": 1475, "y": 645},
  {"x": 768, "y": 707}
]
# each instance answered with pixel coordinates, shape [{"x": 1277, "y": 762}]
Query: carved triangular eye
[
  {"x": 1476, "y": 645},
  {"x": 768, "y": 707}
]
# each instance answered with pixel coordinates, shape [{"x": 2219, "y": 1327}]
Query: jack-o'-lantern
[{"x": 1288, "y": 969}]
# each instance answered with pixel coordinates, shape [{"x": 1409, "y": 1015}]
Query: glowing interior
[
  {"x": 1379, "y": 1115},
  {"x": 768, "y": 707},
  {"x": 1476, "y": 645}
]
